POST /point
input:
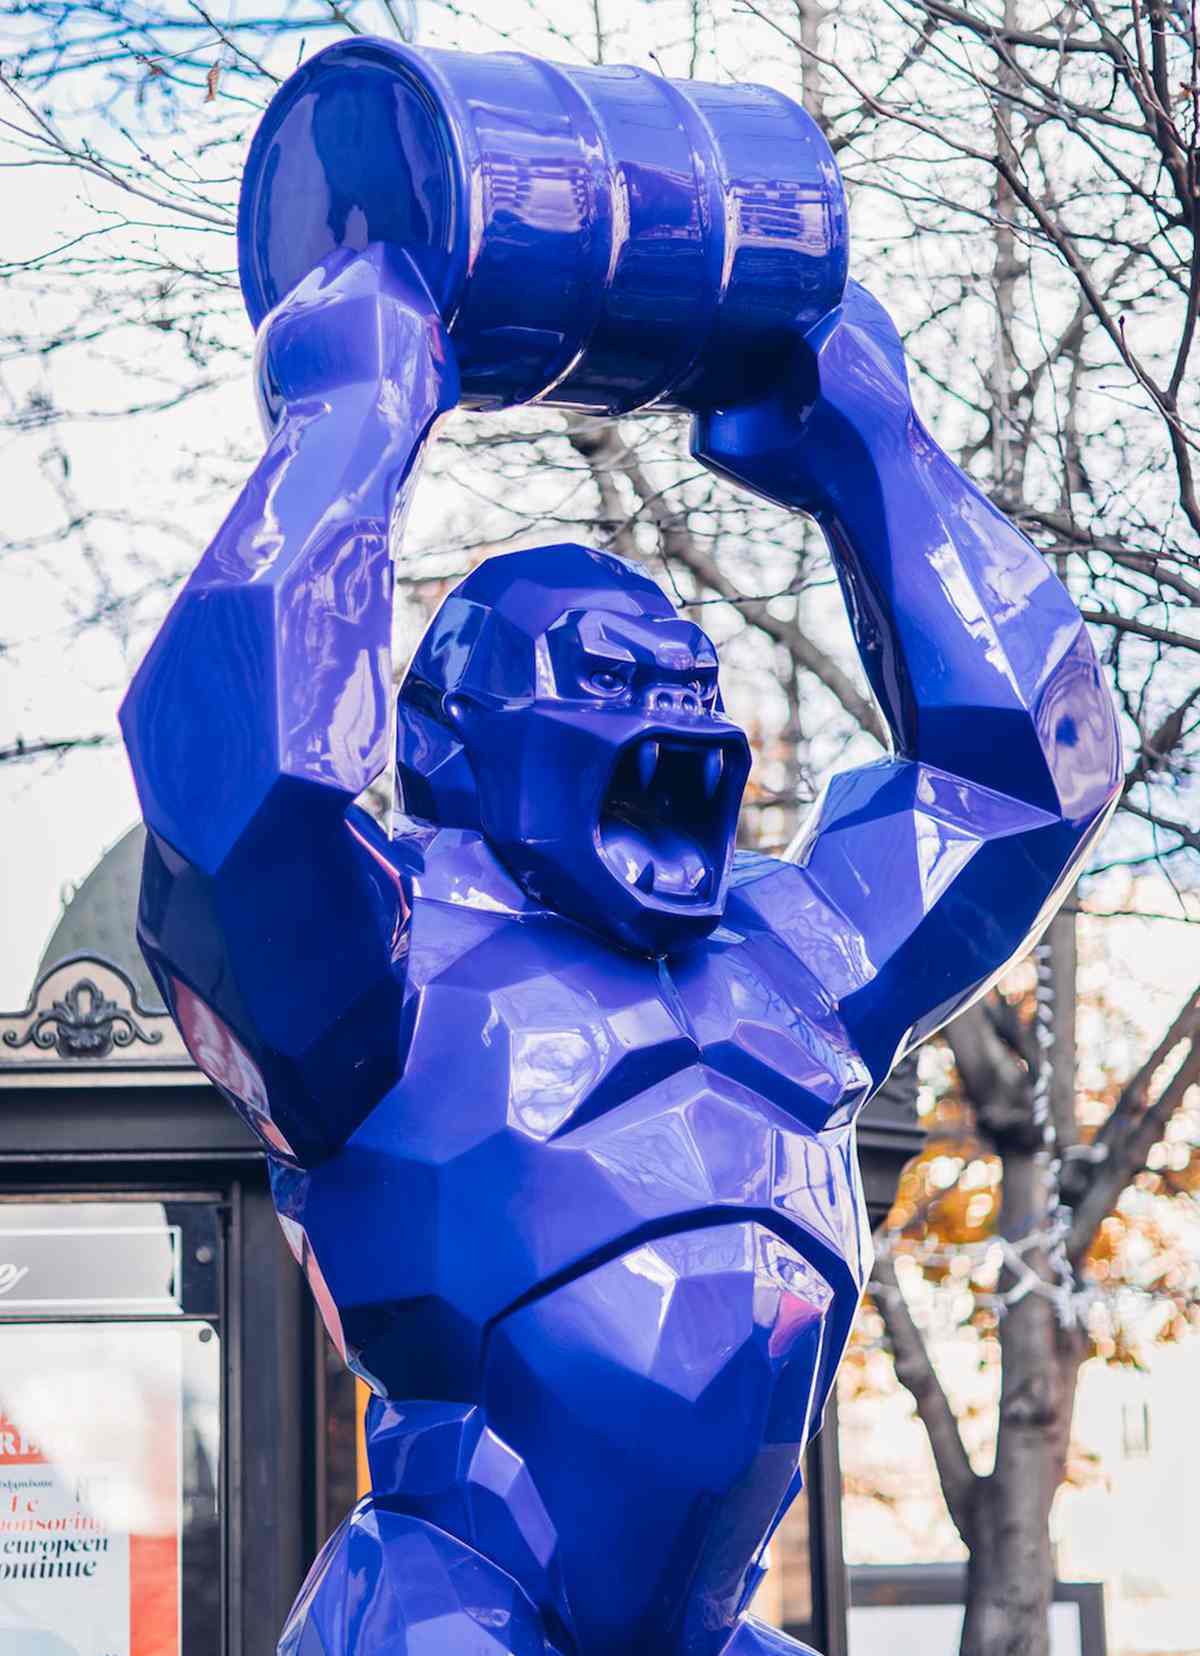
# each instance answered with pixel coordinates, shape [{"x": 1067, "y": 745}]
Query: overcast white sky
[{"x": 56, "y": 820}]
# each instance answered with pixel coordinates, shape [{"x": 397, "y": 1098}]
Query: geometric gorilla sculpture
[{"x": 558, "y": 1091}]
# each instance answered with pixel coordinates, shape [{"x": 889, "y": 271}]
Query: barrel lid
[{"x": 355, "y": 147}]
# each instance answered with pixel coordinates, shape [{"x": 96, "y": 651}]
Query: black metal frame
[
  {"x": 887, "y": 1586},
  {"x": 83, "y": 1024},
  {"x": 827, "y": 1567},
  {"x": 888, "y": 1135},
  {"x": 153, "y": 1140}
]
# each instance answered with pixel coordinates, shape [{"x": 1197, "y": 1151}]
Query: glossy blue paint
[
  {"x": 600, "y": 238},
  {"x": 558, "y": 707},
  {"x": 558, "y": 1090}
]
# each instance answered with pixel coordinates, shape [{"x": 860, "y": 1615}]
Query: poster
[{"x": 90, "y": 1489}]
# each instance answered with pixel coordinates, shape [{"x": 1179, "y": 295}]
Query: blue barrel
[{"x": 600, "y": 239}]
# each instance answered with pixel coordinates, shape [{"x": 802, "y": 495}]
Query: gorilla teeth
[
  {"x": 714, "y": 764},
  {"x": 645, "y": 880},
  {"x": 647, "y": 764}
]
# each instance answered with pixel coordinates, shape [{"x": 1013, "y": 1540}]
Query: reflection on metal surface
[
  {"x": 600, "y": 238},
  {"x": 558, "y": 1092}
]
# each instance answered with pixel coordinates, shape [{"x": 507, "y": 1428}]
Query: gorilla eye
[{"x": 607, "y": 681}]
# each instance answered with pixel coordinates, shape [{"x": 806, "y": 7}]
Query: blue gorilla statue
[{"x": 559, "y": 1090}]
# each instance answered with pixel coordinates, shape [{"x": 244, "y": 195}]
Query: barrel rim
[{"x": 417, "y": 67}]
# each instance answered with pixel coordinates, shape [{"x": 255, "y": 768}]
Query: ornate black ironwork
[{"x": 83, "y": 1024}]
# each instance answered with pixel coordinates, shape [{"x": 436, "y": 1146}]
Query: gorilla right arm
[
  {"x": 270, "y": 914},
  {"x": 921, "y": 876}
]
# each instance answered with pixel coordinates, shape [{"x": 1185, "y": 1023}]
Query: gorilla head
[{"x": 558, "y": 705}]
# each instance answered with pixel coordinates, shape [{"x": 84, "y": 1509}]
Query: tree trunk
[
  {"x": 1061, "y": 942},
  {"x": 812, "y": 73},
  {"x": 1010, "y": 1573},
  {"x": 1010, "y": 1576}
]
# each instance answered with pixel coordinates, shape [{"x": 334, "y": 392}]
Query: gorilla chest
[
  {"x": 563, "y": 1103},
  {"x": 549, "y": 1030}
]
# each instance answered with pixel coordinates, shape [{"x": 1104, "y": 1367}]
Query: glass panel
[
  {"x": 117, "y": 1270},
  {"x": 110, "y": 1427},
  {"x": 109, "y": 1258},
  {"x": 342, "y": 1428},
  {"x": 893, "y": 1510},
  {"x": 792, "y": 1545},
  {"x": 109, "y": 1479}
]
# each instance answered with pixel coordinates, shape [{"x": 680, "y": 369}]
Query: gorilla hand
[
  {"x": 357, "y": 320},
  {"x": 845, "y": 390}
]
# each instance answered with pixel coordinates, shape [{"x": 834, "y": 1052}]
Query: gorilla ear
[
  {"x": 433, "y": 774},
  {"x": 457, "y": 707}
]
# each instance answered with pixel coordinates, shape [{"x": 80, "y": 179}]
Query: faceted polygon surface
[
  {"x": 683, "y": 1370},
  {"x": 415, "y": 1288},
  {"x": 314, "y": 1051},
  {"x": 557, "y": 1094},
  {"x": 443, "y": 1463},
  {"x": 752, "y": 1637},
  {"x": 386, "y": 1584}
]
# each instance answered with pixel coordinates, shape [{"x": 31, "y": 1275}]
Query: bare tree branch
[
  {"x": 51, "y": 746},
  {"x": 1135, "y": 1126},
  {"x": 604, "y": 451},
  {"x": 916, "y": 1374}
]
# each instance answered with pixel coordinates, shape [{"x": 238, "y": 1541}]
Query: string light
[{"x": 1071, "y": 1300}]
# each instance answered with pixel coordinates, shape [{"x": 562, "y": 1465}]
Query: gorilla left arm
[
  {"x": 924, "y": 875},
  {"x": 270, "y": 913}
]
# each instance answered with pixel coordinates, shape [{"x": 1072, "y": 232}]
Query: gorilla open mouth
[{"x": 664, "y": 824}]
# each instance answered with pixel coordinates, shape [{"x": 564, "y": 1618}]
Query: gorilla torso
[
  {"x": 579, "y": 1130},
  {"x": 560, "y": 1095}
]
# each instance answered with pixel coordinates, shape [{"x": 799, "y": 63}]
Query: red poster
[{"x": 90, "y": 1488}]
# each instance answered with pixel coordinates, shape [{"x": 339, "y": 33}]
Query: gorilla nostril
[{"x": 676, "y": 701}]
